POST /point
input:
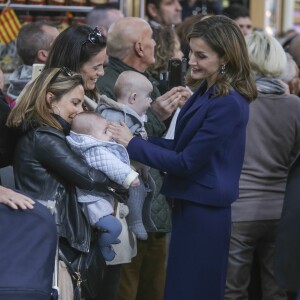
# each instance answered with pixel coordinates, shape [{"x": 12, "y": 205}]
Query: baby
[
  {"x": 133, "y": 92},
  {"x": 90, "y": 139}
]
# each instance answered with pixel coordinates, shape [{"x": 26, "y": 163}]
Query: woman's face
[
  {"x": 93, "y": 69},
  {"x": 69, "y": 105},
  {"x": 204, "y": 62}
]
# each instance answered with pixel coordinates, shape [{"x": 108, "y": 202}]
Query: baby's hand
[{"x": 135, "y": 183}]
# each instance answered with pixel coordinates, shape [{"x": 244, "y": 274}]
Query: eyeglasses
[
  {"x": 66, "y": 71},
  {"x": 63, "y": 70},
  {"x": 93, "y": 36}
]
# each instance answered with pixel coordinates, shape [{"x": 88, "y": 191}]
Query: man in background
[
  {"x": 240, "y": 14},
  {"x": 163, "y": 12},
  {"x": 104, "y": 16},
  {"x": 33, "y": 44},
  {"x": 130, "y": 47}
]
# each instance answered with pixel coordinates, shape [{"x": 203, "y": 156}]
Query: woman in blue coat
[{"x": 203, "y": 163}]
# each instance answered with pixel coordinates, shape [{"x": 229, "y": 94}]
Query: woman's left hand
[
  {"x": 186, "y": 93},
  {"x": 120, "y": 133},
  {"x": 14, "y": 199}
]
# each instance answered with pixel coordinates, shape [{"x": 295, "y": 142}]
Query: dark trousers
[{"x": 144, "y": 277}]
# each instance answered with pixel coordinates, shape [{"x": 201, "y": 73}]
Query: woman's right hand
[
  {"x": 14, "y": 199},
  {"x": 120, "y": 133}
]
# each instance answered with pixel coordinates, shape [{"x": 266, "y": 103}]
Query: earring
[
  {"x": 223, "y": 71},
  {"x": 54, "y": 106}
]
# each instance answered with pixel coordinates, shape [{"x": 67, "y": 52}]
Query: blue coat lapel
[{"x": 191, "y": 106}]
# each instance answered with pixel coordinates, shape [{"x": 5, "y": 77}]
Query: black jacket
[
  {"x": 46, "y": 169},
  {"x": 287, "y": 247},
  {"x": 7, "y": 139}
]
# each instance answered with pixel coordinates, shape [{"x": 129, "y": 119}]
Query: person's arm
[
  {"x": 14, "y": 199},
  {"x": 220, "y": 120},
  {"x": 165, "y": 105},
  {"x": 162, "y": 142},
  {"x": 105, "y": 160},
  {"x": 53, "y": 152}
]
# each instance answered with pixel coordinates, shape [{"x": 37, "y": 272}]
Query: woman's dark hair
[{"x": 74, "y": 47}]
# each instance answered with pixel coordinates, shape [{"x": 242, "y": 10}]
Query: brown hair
[
  {"x": 224, "y": 37},
  {"x": 32, "y": 107}
]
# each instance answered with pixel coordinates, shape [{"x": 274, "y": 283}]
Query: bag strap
[
  {"x": 55, "y": 294},
  {"x": 75, "y": 274},
  {"x": 116, "y": 196}
]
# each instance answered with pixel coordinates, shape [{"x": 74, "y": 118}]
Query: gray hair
[{"x": 267, "y": 57}]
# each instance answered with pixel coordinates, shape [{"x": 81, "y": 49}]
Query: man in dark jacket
[{"x": 130, "y": 46}]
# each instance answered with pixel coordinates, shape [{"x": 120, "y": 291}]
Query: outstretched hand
[
  {"x": 120, "y": 133},
  {"x": 166, "y": 104},
  {"x": 14, "y": 200}
]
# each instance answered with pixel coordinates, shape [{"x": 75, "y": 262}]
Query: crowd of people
[{"x": 173, "y": 193}]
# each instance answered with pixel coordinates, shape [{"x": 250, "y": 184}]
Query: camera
[{"x": 176, "y": 72}]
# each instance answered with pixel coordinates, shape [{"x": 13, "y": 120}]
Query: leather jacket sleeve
[{"x": 54, "y": 153}]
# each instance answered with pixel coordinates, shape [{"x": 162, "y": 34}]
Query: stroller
[{"x": 28, "y": 240}]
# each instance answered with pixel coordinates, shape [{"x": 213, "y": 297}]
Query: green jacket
[{"x": 160, "y": 212}]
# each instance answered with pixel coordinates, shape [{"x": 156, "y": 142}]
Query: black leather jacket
[
  {"x": 7, "y": 138},
  {"x": 46, "y": 169}
]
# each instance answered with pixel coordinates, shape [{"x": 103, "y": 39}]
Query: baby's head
[
  {"x": 91, "y": 123},
  {"x": 134, "y": 89}
]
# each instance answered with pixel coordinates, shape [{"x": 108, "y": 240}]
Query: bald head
[
  {"x": 130, "y": 82},
  {"x": 134, "y": 90},
  {"x": 123, "y": 35}
]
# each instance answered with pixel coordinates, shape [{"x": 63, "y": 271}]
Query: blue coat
[
  {"x": 204, "y": 161},
  {"x": 203, "y": 165}
]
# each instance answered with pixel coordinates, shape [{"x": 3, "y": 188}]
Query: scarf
[{"x": 267, "y": 85}]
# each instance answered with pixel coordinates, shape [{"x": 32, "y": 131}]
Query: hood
[{"x": 107, "y": 104}]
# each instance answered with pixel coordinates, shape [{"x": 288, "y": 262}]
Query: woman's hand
[
  {"x": 14, "y": 200},
  {"x": 186, "y": 93},
  {"x": 165, "y": 105},
  {"x": 120, "y": 133}
]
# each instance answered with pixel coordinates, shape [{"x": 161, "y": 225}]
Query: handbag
[{"x": 86, "y": 269}]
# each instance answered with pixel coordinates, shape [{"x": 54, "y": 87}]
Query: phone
[
  {"x": 36, "y": 70},
  {"x": 176, "y": 72}
]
